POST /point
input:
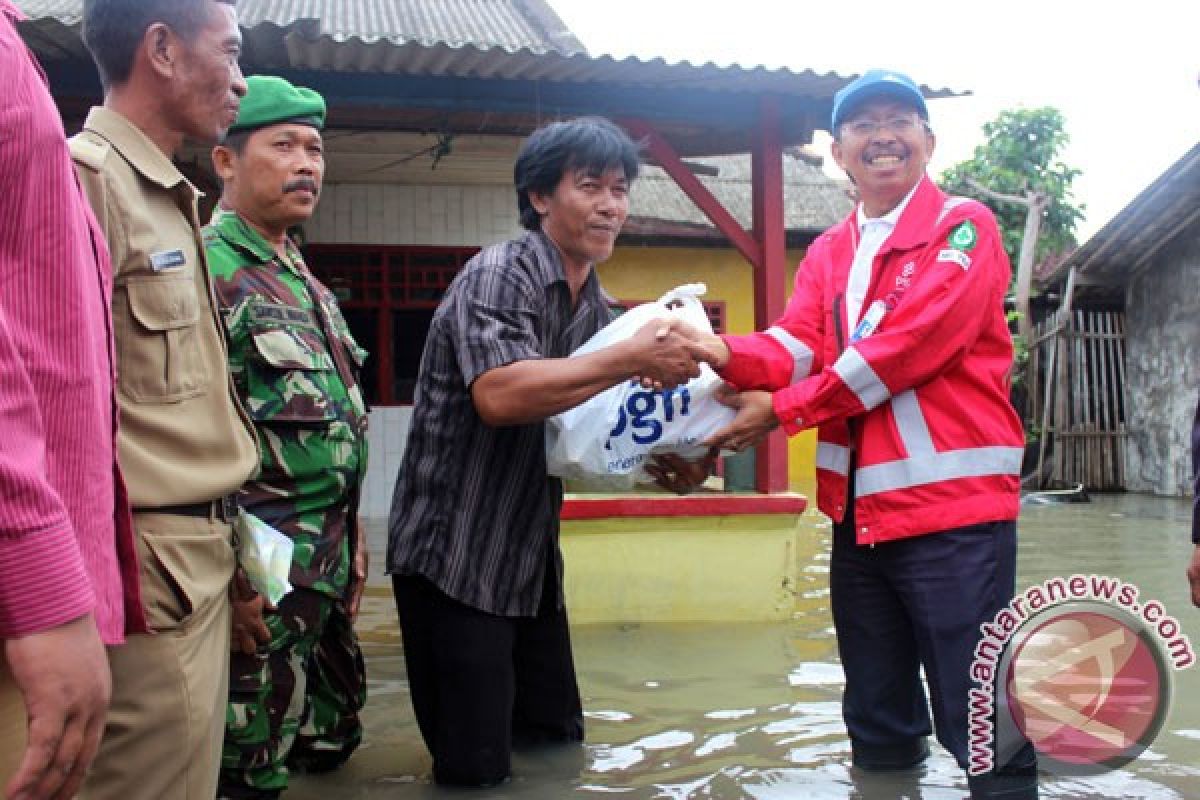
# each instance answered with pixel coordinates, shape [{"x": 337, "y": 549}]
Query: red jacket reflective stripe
[{"x": 926, "y": 395}]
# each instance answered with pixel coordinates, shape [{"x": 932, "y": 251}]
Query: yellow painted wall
[
  {"x": 689, "y": 569},
  {"x": 644, "y": 273}
]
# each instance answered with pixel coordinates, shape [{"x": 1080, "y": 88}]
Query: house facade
[
  {"x": 427, "y": 107},
  {"x": 1146, "y": 262}
]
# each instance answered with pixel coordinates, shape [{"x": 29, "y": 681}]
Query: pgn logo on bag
[
  {"x": 643, "y": 419},
  {"x": 640, "y": 411}
]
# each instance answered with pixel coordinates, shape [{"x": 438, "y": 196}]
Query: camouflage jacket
[{"x": 311, "y": 424}]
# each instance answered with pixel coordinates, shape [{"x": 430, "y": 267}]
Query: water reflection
[{"x": 752, "y": 710}]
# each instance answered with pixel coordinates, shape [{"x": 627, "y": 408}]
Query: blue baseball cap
[{"x": 876, "y": 83}]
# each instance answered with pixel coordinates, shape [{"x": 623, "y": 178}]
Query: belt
[{"x": 223, "y": 508}]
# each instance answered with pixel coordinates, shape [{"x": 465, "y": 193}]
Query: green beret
[{"x": 271, "y": 100}]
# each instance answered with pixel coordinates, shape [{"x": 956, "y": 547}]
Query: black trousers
[
  {"x": 918, "y": 602},
  {"x": 482, "y": 682}
]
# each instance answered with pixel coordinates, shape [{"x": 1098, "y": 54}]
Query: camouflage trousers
[{"x": 293, "y": 705}]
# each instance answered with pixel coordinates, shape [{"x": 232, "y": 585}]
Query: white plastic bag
[
  {"x": 605, "y": 442},
  {"x": 266, "y": 555}
]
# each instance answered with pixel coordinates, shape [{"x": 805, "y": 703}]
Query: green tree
[
  {"x": 1017, "y": 172},
  {"x": 1021, "y": 156}
]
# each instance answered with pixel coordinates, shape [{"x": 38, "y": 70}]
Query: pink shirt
[{"x": 66, "y": 545}]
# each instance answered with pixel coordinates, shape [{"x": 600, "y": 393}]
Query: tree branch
[
  {"x": 997, "y": 196},
  {"x": 1031, "y": 199}
]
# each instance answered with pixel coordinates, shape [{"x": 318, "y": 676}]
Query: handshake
[
  {"x": 668, "y": 352},
  {"x": 665, "y": 414}
]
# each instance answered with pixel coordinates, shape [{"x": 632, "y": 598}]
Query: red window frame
[{"x": 386, "y": 278}]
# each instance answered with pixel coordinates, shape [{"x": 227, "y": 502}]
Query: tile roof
[{"x": 812, "y": 201}]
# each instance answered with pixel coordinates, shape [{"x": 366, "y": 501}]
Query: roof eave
[{"x": 1158, "y": 214}]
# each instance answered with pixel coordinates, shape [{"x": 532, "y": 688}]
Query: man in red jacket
[{"x": 895, "y": 347}]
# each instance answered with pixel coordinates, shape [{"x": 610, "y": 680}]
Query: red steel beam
[
  {"x": 666, "y": 157},
  {"x": 770, "y": 274},
  {"x": 765, "y": 249}
]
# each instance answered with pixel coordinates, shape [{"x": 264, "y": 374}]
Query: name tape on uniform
[
  {"x": 957, "y": 257},
  {"x": 167, "y": 259}
]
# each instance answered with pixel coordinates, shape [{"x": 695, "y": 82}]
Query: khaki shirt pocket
[
  {"x": 161, "y": 358},
  {"x": 182, "y": 575}
]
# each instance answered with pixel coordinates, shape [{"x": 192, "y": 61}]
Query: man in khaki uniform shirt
[{"x": 184, "y": 442}]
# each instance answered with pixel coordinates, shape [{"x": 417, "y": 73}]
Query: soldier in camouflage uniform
[{"x": 297, "y": 682}]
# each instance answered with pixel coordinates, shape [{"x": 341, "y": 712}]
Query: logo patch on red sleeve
[{"x": 964, "y": 236}]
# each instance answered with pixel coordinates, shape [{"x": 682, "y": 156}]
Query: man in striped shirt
[
  {"x": 68, "y": 584},
  {"x": 473, "y": 542}
]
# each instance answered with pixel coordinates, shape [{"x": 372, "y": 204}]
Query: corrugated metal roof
[
  {"x": 506, "y": 24},
  {"x": 812, "y": 201},
  {"x": 505, "y": 85},
  {"x": 1163, "y": 212},
  {"x": 468, "y": 61},
  {"x": 490, "y": 39}
]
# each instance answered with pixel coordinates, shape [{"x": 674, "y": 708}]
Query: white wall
[
  {"x": 397, "y": 214},
  {"x": 387, "y": 433},
  {"x": 390, "y": 214}
]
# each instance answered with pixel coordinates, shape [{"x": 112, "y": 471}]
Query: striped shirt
[
  {"x": 66, "y": 544},
  {"x": 474, "y": 511}
]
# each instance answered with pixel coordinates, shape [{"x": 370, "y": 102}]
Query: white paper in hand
[{"x": 266, "y": 556}]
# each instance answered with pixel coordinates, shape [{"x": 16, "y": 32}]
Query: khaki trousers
[
  {"x": 167, "y": 720},
  {"x": 12, "y": 725}
]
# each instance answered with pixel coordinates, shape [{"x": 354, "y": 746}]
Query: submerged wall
[{"x": 702, "y": 567}]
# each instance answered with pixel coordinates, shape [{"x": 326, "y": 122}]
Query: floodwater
[{"x": 752, "y": 710}]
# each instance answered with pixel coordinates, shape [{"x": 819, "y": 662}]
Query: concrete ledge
[{"x": 722, "y": 568}]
